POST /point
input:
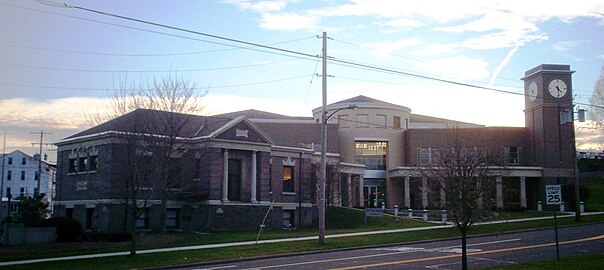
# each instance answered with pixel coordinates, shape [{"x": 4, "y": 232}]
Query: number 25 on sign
[{"x": 553, "y": 194}]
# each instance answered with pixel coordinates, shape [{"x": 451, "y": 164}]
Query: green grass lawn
[
  {"x": 504, "y": 215},
  {"x": 594, "y": 261},
  {"x": 339, "y": 220},
  {"x": 217, "y": 254},
  {"x": 595, "y": 200}
]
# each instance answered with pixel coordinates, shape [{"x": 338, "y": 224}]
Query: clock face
[
  {"x": 557, "y": 88},
  {"x": 532, "y": 91}
]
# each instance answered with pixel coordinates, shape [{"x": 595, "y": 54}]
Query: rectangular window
[
  {"x": 94, "y": 163},
  {"x": 234, "y": 187},
  {"x": 36, "y": 176},
  {"x": 343, "y": 120},
  {"x": 425, "y": 156},
  {"x": 7, "y": 191},
  {"x": 288, "y": 218},
  {"x": 82, "y": 164},
  {"x": 89, "y": 217},
  {"x": 143, "y": 220},
  {"x": 396, "y": 122},
  {"x": 9, "y": 175},
  {"x": 23, "y": 161},
  {"x": 22, "y": 192},
  {"x": 362, "y": 120},
  {"x": 10, "y": 161},
  {"x": 512, "y": 155},
  {"x": 380, "y": 120},
  {"x": 35, "y": 190},
  {"x": 197, "y": 169},
  {"x": 288, "y": 179},
  {"x": 72, "y": 165},
  {"x": 22, "y": 175},
  {"x": 69, "y": 212},
  {"x": 172, "y": 218},
  {"x": 371, "y": 153}
]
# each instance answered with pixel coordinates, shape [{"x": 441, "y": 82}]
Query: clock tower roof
[{"x": 547, "y": 68}]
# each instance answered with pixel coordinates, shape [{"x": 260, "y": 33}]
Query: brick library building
[{"x": 239, "y": 170}]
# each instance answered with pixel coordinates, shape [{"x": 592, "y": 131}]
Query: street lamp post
[{"x": 323, "y": 174}]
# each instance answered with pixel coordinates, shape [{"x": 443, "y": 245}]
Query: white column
[
  {"x": 523, "y": 191},
  {"x": 361, "y": 195},
  {"x": 424, "y": 192},
  {"x": 254, "y": 172},
  {"x": 349, "y": 189},
  {"x": 225, "y": 175},
  {"x": 407, "y": 192},
  {"x": 499, "y": 190}
]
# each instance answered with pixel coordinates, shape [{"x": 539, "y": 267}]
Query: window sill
[{"x": 288, "y": 193}]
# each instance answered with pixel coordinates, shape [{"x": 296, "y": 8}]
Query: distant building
[
  {"x": 21, "y": 180},
  {"x": 241, "y": 163}
]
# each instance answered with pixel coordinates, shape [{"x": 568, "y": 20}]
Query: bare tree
[
  {"x": 596, "y": 112},
  {"x": 161, "y": 124},
  {"x": 466, "y": 177}
]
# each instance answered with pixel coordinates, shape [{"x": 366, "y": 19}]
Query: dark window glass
[
  {"x": 72, "y": 165},
  {"x": 288, "y": 179},
  {"x": 94, "y": 163}
]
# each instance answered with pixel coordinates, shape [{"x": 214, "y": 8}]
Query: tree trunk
[
  {"x": 133, "y": 230},
  {"x": 464, "y": 249},
  {"x": 162, "y": 216}
]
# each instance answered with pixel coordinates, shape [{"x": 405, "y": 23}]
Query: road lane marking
[
  {"x": 216, "y": 268},
  {"x": 332, "y": 260},
  {"x": 470, "y": 254}
]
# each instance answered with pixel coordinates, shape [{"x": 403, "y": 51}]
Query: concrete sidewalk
[{"x": 149, "y": 251}]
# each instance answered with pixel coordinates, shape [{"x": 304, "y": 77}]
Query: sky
[{"x": 58, "y": 65}]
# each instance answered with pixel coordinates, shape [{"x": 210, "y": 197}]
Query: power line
[
  {"x": 285, "y": 51},
  {"x": 113, "y": 89},
  {"x": 374, "y": 49},
  {"x": 137, "y": 55},
  {"x": 145, "y": 71},
  {"x": 250, "y": 48},
  {"x": 180, "y": 29}
]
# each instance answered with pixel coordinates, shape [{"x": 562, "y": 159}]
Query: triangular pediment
[{"x": 241, "y": 129}]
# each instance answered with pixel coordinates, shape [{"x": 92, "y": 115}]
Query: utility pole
[
  {"x": 322, "y": 178},
  {"x": 39, "y": 159},
  {"x": 2, "y": 179}
]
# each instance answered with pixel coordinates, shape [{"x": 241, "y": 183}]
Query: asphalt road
[{"x": 487, "y": 251}]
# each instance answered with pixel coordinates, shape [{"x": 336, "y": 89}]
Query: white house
[{"x": 20, "y": 176}]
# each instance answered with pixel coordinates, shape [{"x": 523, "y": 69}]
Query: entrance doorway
[
  {"x": 374, "y": 195},
  {"x": 234, "y": 180}
]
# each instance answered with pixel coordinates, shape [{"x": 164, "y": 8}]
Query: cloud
[
  {"x": 458, "y": 67},
  {"x": 65, "y": 113},
  {"x": 503, "y": 64},
  {"x": 288, "y": 21},
  {"x": 222, "y": 103},
  {"x": 568, "y": 45},
  {"x": 384, "y": 50},
  {"x": 405, "y": 23},
  {"x": 259, "y": 6}
]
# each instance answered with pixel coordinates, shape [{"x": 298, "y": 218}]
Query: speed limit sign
[{"x": 553, "y": 194}]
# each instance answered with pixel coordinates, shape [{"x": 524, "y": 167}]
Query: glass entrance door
[{"x": 374, "y": 196}]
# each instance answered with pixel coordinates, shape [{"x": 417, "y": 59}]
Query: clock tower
[{"x": 548, "y": 106}]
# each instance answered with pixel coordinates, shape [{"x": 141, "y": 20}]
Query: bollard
[
  {"x": 562, "y": 208},
  {"x": 396, "y": 210},
  {"x": 444, "y": 216},
  {"x": 581, "y": 207},
  {"x": 410, "y": 213},
  {"x": 425, "y": 217},
  {"x": 383, "y": 205},
  {"x": 539, "y": 206}
]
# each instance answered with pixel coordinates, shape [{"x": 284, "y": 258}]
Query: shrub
[
  {"x": 68, "y": 229},
  {"x": 107, "y": 237}
]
